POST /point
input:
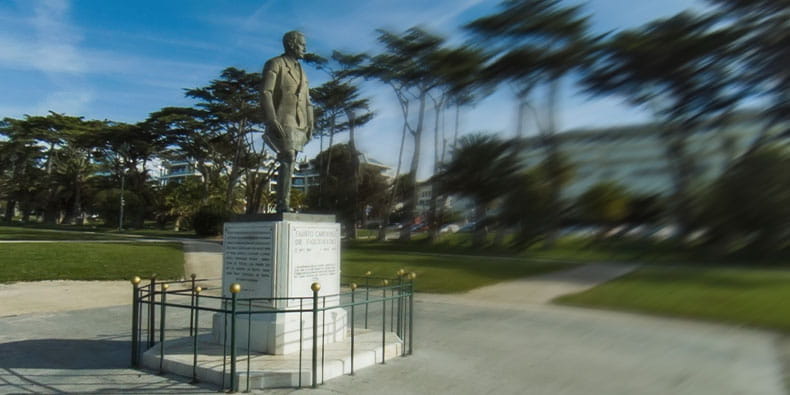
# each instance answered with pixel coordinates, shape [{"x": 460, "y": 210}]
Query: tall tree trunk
[
  {"x": 433, "y": 223},
  {"x": 391, "y": 201},
  {"x": 480, "y": 232},
  {"x": 553, "y": 164},
  {"x": 352, "y": 230},
  {"x": 50, "y": 207},
  {"x": 234, "y": 175},
  {"x": 78, "y": 218},
  {"x": 9, "y": 210},
  {"x": 520, "y": 120},
  {"x": 415, "y": 165},
  {"x": 26, "y": 206},
  {"x": 206, "y": 173},
  {"x": 682, "y": 169},
  {"x": 328, "y": 156}
]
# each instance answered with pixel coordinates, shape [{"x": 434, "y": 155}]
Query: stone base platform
[
  {"x": 281, "y": 333},
  {"x": 272, "y": 371}
]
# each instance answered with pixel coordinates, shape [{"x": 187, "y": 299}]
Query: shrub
[
  {"x": 750, "y": 202},
  {"x": 208, "y": 220}
]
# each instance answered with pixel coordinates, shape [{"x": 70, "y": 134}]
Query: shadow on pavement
[
  {"x": 80, "y": 366},
  {"x": 65, "y": 354}
]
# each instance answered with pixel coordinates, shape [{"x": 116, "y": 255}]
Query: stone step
[{"x": 272, "y": 371}]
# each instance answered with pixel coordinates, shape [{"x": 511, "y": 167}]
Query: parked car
[
  {"x": 422, "y": 227},
  {"x": 450, "y": 228},
  {"x": 470, "y": 227}
]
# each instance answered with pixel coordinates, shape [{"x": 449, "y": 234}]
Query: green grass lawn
[
  {"x": 752, "y": 297},
  {"x": 443, "y": 274},
  {"x": 89, "y": 261},
  {"x": 31, "y": 233},
  {"x": 72, "y": 232},
  {"x": 565, "y": 249}
]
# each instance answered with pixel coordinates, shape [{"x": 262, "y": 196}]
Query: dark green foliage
[
  {"x": 337, "y": 195},
  {"x": 606, "y": 203},
  {"x": 527, "y": 207},
  {"x": 539, "y": 40},
  {"x": 208, "y": 220},
  {"x": 762, "y": 34},
  {"x": 108, "y": 206},
  {"x": 481, "y": 169},
  {"x": 646, "y": 209},
  {"x": 683, "y": 68},
  {"x": 750, "y": 202}
]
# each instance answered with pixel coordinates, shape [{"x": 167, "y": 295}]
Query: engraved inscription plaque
[
  {"x": 314, "y": 256},
  {"x": 248, "y": 258}
]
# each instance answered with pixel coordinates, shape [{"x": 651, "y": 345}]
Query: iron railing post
[
  {"x": 412, "y": 276},
  {"x": 192, "y": 304},
  {"x": 234, "y": 290},
  {"x": 353, "y": 289},
  {"x": 400, "y": 305},
  {"x": 383, "y": 318},
  {"x": 135, "y": 313},
  {"x": 196, "y": 293},
  {"x": 249, "y": 340},
  {"x": 367, "y": 295},
  {"x": 152, "y": 311},
  {"x": 315, "y": 287},
  {"x": 301, "y": 337},
  {"x": 162, "y": 329}
]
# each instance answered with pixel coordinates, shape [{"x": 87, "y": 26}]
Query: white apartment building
[
  {"x": 177, "y": 171},
  {"x": 635, "y": 156}
]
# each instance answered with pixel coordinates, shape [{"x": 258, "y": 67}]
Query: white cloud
[
  {"x": 66, "y": 102},
  {"x": 56, "y": 45},
  {"x": 44, "y": 42}
]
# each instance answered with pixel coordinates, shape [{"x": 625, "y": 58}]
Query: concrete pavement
[
  {"x": 500, "y": 339},
  {"x": 459, "y": 349}
]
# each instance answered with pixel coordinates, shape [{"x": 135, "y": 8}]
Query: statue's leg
[{"x": 284, "y": 181}]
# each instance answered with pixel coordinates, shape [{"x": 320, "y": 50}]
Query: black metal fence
[{"x": 362, "y": 298}]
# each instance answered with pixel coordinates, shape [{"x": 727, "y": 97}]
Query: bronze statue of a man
[{"x": 287, "y": 112}]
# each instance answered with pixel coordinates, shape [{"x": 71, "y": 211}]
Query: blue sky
[{"x": 122, "y": 60}]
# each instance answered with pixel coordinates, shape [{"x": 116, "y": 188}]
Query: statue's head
[{"x": 294, "y": 44}]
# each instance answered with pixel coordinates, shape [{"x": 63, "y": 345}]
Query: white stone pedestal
[
  {"x": 280, "y": 333},
  {"x": 280, "y": 256}
]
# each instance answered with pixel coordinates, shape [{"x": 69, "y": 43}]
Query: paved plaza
[{"x": 502, "y": 339}]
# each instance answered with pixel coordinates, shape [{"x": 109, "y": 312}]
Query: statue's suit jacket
[{"x": 291, "y": 97}]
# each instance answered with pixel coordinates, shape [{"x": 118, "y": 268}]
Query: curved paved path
[
  {"x": 201, "y": 257},
  {"x": 540, "y": 289}
]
